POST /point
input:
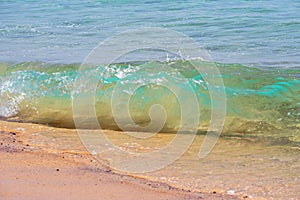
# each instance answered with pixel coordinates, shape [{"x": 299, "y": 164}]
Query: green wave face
[{"x": 259, "y": 101}]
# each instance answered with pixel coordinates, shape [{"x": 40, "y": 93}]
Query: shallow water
[
  {"x": 259, "y": 102},
  {"x": 262, "y": 89}
]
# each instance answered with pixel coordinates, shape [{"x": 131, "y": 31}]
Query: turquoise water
[
  {"x": 262, "y": 102},
  {"x": 255, "y": 43},
  {"x": 253, "y": 33}
]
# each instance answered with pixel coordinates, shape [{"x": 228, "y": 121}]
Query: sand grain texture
[{"x": 27, "y": 174}]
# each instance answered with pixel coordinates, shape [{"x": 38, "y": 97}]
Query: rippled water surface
[{"x": 264, "y": 33}]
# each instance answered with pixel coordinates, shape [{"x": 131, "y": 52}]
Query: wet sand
[
  {"x": 38, "y": 160},
  {"x": 32, "y": 172}
]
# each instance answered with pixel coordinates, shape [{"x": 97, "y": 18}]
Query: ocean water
[
  {"x": 261, "y": 38},
  {"x": 253, "y": 33}
]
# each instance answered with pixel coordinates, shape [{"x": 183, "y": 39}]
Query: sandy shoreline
[{"x": 36, "y": 174}]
